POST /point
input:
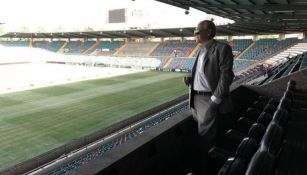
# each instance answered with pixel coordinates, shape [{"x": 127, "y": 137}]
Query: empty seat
[
  {"x": 263, "y": 98},
  {"x": 262, "y": 163},
  {"x": 269, "y": 108},
  {"x": 272, "y": 139},
  {"x": 244, "y": 124},
  {"x": 262, "y": 102},
  {"x": 237, "y": 164},
  {"x": 253, "y": 113},
  {"x": 247, "y": 148},
  {"x": 280, "y": 117},
  {"x": 265, "y": 122},
  {"x": 233, "y": 166},
  {"x": 285, "y": 103},
  {"x": 218, "y": 154},
  {"x": 256, "y": 132},
  {"x": 273, "y": 101},
  {"x": 259, "y": 104},
  {"x": 264, "y": 118}
]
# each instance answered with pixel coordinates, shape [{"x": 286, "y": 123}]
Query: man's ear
[{"x": 209, "y": 32}]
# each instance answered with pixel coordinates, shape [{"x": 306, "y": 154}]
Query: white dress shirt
[{"x": 200, "y": 80}]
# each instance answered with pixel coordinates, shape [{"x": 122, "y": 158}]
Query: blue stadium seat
[
  {"x": 183, "y": 49},
  {"x": 264, "y": 48}
]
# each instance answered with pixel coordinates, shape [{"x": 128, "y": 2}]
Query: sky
[{"x": 69, "y": 15}]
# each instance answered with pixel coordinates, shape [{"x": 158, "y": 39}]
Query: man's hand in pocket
[{"x": 213, "y": 105}]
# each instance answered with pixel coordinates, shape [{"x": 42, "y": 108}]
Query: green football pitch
[{"x": 35, "y": 121}]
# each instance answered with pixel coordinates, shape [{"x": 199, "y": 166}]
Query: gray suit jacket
[{"x": 217, "y": 65}]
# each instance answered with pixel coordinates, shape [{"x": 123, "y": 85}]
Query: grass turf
[{"x": 35, "y": 121}]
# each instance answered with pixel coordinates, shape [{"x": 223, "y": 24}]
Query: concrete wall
[{"x": 168, "y": 148}]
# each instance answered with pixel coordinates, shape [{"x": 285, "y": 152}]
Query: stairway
[
  {"x": 152, "y": 49},
  {"x": 291, "y": 51},
  {"x": 119, "y": 49},
  {"x": 31, "y": 43},
  {"x": 168, "y": 63},
  {"x": 250, "y": 46},
  {"x": 61, "y": 50},
  {"x": 91, "y": 49}
]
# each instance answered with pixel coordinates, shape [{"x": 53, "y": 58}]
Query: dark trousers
[
  {"x": 206, "y": 117},
  {"x": 207, "y": 122}
]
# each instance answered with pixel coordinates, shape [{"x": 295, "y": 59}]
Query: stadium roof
[
  {"x": 254, "y": 16},
  {"x": 170, "y": 32},
  {"x": 250, "y": 16},
  {"x": 230, "y": 29},
  {"x": 107, "y": 34}
]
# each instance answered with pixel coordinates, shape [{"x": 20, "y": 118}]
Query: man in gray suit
[{"x": 209, "y": 83}]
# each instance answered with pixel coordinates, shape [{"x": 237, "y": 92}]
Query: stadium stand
[
  {"x": 187, "y": 64},
  {"x": 163, "y": 62},
  {"x": 106, "y": 48},
  {"x": 15, "y": 43},
  {"x": 291, "y": 66},
  {"x": 175, "y": 48},
  {"x": 239, "y": 45},
  {"x": 136, "y": 49},
  {"x": 40, "y": 44},
  {"x": 264, "y": 48},
  {"x": 56, "y": 45},
  {"x": 181, "y": 63},
  {"x": 242, "y": 64},
  {"x": 77, "y": 47},
  {"x": 53, "y": 46},
  {"x": 220, "y": 40},
  {"x": 304, "y": 62},
  {"x": 249, "y": 75},
  {"x": 293, "y": 51}
]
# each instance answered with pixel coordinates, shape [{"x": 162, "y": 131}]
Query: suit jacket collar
[
  {"x": 207, "y": 44},
  {"x": 210, "y": 49}
]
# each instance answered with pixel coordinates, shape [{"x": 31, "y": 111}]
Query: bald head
[{"x": 205, "y": 31}]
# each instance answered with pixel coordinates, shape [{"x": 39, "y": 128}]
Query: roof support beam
[{"x": 268, "y": 7}]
